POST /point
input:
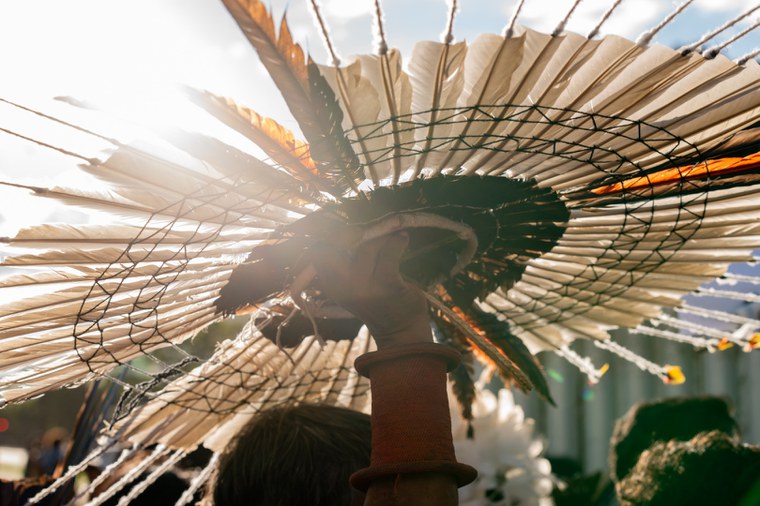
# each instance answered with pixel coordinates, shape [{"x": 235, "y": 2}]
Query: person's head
[
  {"x": 677, "y": 418},
  {"x": 294, "y": 455},
  {"x": 710, "y": 468}
]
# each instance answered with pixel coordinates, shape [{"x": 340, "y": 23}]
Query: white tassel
[
  {"x": 159, "y": 452},
  {"x": 584, "y": 364},
  {"x": 595, "y": 31},
  {"x": 509, "y": 29},
  {"x": 562, "y": 24},
  {"x": 645, "y": 38},
  {"x": 697, "y": 342},
  {"x": 749, "y": 56},
  {"x": 106, "y": 473},
  {"x": 381, "y": 45},
  {"x": 691, "y": 47},
  {"x": 667, "y": 373},
  {"x": 713, "y": 51},
  {"x": 69, "y": 475},
  {"x": 325, "y": 33},
  {"x": 198, "y": 481},
  {"x": 152, "y": 477}
]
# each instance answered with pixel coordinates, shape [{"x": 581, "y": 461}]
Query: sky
[{"x": 126, "y": 57}]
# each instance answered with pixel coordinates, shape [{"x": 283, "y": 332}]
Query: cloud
[
  {"x": 725, "y": 5},
  {"x": 628, "y": 19},
  {"x": 346, "y": 9}
]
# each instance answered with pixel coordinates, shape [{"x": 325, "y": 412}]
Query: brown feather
[
  {"x": 462, "y": 381},
  {"x": 329, "y": 144},
  {"x": 275, "y": 140},
  {"x": 307, "y": 94},
  {"x": 481, "y": 345}
]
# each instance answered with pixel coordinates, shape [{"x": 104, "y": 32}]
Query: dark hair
[
  {"x": 677, "y": 418},
  {"x": 294, "y": 455},
  {"x": 711, "y": 468}
]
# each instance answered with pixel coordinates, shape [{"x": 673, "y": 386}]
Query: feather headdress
[{"x": 555, "y": 187}]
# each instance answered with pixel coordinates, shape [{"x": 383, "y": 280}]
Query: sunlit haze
[{"x": 127, "y": 58}]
